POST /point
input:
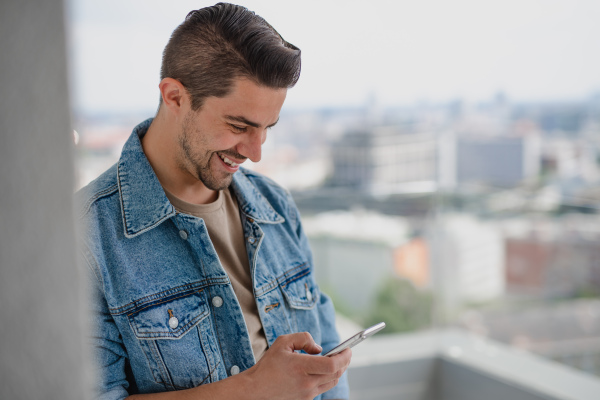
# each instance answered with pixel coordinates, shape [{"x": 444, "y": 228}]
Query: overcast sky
[{"x": 401, "y": 52}]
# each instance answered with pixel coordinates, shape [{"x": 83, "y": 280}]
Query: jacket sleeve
[
  {"x": 330, "y": 339},
  {"x": 105, "y": 345},
  {"x": 329, "y": 334}
]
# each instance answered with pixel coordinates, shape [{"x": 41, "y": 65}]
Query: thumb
[{"x": 304, "y": 341}]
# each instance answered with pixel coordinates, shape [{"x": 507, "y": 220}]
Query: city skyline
[{"x": 394, "y": 52}]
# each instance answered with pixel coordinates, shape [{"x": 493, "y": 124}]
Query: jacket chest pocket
[
  {"x": 176, "y": 335},
  {"x": 301, "y": 297}
]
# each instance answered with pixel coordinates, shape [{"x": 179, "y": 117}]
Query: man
[{"x": 200, "y": 270}]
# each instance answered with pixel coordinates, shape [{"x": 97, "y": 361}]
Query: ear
[{"x": 174, "y": 96}]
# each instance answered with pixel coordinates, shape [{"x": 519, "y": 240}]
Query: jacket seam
[
  {"x": 280, "y": 281},
  {"x": 98, "y": 195},
  {"x": 164, "y": 300},
  {"x": 188, "y": 287},
  {"x": 91, "y": 263}
]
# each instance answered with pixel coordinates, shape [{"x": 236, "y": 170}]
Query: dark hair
[{"x": 215, "y": 45}]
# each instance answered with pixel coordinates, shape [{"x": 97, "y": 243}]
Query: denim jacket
[{"x": 164, "y": 315}]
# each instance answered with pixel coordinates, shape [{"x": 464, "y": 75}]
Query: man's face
[{"x": 226, "y": 131}]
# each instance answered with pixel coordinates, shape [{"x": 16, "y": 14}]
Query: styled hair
[{"x": 216, "y": 45}]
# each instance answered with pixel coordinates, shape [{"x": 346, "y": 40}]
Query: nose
[{"x": 251, "y": 147}]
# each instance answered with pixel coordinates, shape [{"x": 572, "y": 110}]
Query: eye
[{"x": 239, "y": 129}]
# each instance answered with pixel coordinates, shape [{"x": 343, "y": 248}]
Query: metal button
[
  {"x": 173, "y": 322},
  {"x": 217, "y": 301},
  {"x": 183, "y": 234},
  {"x": 251, "y": 239},
  {"x": 234, "y": 370},
  {"x": 309, "y": 296}
]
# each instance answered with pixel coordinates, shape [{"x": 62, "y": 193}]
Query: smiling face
[{"x": 225, "y": 132}]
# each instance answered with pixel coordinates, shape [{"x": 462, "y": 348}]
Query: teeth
[{"x": 228, "y": 161}]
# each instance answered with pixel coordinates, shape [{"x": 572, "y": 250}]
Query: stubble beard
[{"x": 199, "y": 165}]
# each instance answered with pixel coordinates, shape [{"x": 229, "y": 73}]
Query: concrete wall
[
  {"x": 41, "y": 346},
  {"x": 455, "y": 365},
  {"x": 407, "y": 380}
]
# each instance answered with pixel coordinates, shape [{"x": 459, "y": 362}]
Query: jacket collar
[
  {"x": 252, "y": 202},
  {"x": 144, "y": 204}
]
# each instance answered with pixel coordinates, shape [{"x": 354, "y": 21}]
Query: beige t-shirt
[{"x": 222, "y": 219}]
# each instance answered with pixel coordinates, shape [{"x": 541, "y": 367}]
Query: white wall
[{"x": 41, "y": 346}]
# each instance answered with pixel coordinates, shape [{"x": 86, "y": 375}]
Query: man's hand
[{"x": 282, "y": 373}]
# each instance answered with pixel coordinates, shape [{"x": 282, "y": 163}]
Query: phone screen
[{"x": 356, "y": 339}]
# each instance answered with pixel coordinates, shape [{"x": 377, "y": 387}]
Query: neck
[{"x": 160, "y": 146}]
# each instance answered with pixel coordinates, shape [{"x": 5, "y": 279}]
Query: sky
[{"x": 394, "y": 52}]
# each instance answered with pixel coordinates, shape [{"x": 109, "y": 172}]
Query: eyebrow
[{"x": 248, "y": 122}]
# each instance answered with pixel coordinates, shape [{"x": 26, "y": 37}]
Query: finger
[
  {"x": 326, "y": 382},
  {"x": 326, "y": 365},
  {"x": 343, "y": 356},
  {"x": 341, "y": 359},
  {"x": 327, "y": 386},
  {"x": 304, "y": 341}
]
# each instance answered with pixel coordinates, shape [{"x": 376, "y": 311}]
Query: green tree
[{"x": 401, "y": 306}]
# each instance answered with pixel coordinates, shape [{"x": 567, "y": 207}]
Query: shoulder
[
  {"x": 272, "y": 195},
  {"x": 103, "y": 187},
  {"x": 264, "y": 184},
  {"x": 97, "y": 211},
  {"x": 279, "y": 197}
]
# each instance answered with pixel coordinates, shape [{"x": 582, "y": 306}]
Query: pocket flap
[
  {"x": 298, "y": 288},
  {"x": 169, "y": 318}
]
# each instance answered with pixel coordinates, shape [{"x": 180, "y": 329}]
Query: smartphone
[{"x": 356, "y": 339}]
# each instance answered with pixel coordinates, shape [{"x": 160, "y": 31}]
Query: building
[
  {"x": 467, "y": 260},
  {"x": 396, "y": 160},
  {"x": 354, "y": 254},
  {"x": 384, "y": 158},
  {"x": 552, "y": 257},
  {"x": 497, "y": 161}
]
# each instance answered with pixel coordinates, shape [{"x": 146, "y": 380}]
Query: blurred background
[{"x": 445, "y": 155}]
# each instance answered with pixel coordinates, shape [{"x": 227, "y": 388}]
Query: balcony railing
[{"x": 456, "y": 365}]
